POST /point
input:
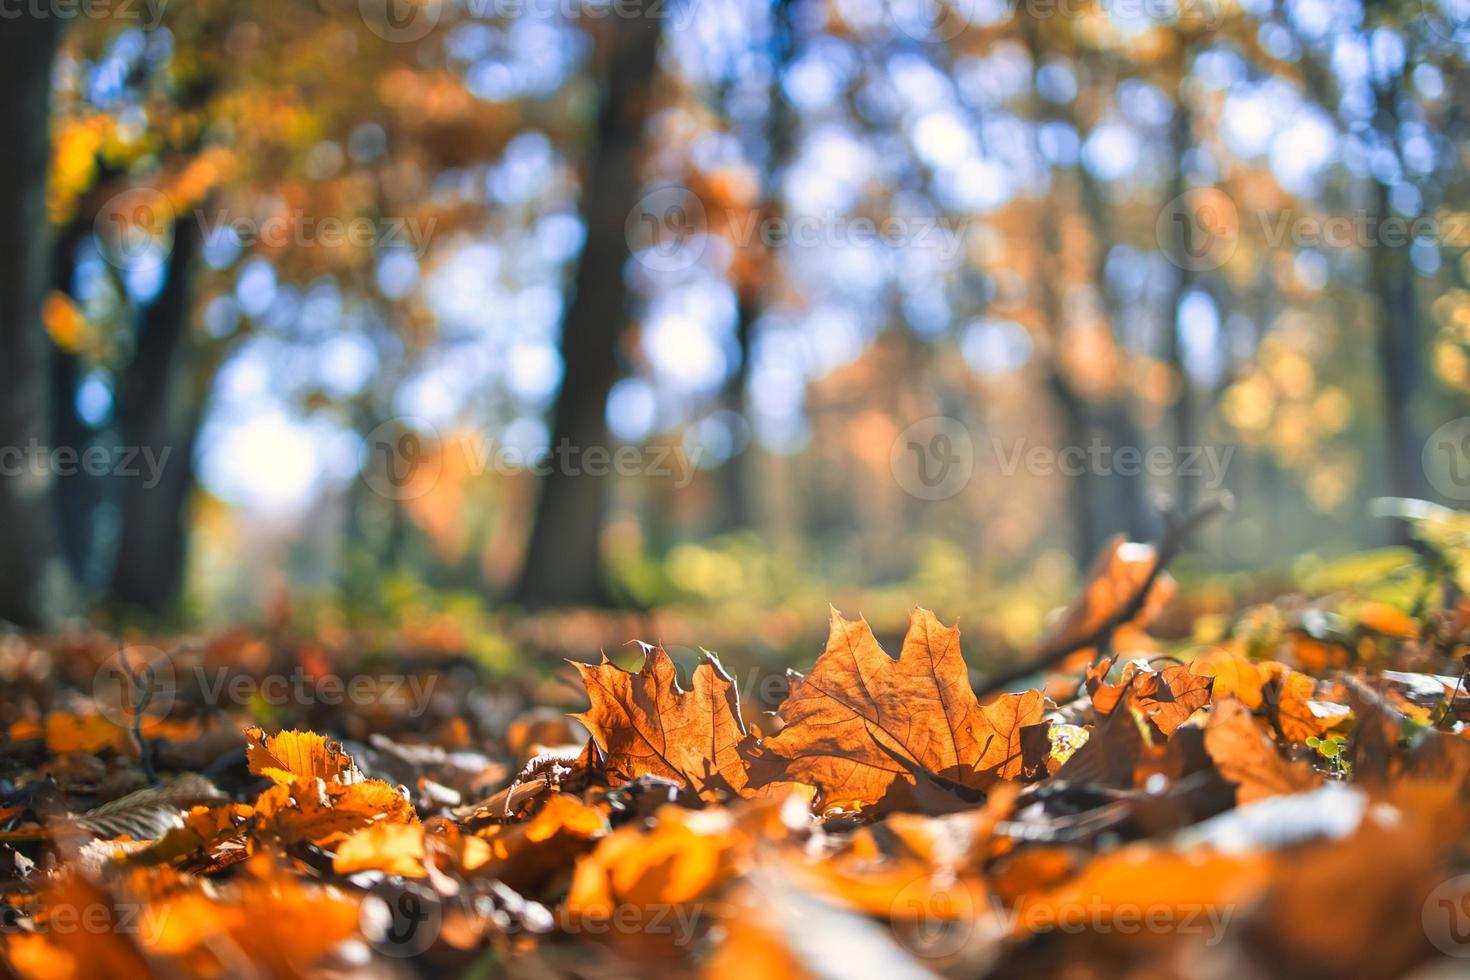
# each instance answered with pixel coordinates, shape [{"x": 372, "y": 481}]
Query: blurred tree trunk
[
  {"x": 563, "y": 562},
  {"x": 156, "y": 414},
  {"x": 1185, "y": 430},
  {"x": 738, "y": 512},
  {"x": 1398, "y": 328},
  {"x": 78, "y": 495},
  {"x": 27, "y": 532}
]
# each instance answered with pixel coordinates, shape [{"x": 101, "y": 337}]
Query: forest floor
[{"x": 1282, "y": 792}]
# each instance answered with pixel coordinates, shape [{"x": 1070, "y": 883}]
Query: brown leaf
[
  {"x": 1114, "y": 579},
  {"x": 646, "y": 724},
  {"x": 1248, "y": 758},
  {"x": 1290, "y": 700},
  {"x": 1167, "y": 697},
  {"x": 859, "y": 712}
]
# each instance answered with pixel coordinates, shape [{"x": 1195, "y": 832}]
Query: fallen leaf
[
  {"x": 861, "y": 721},
  {"x": 645, "y": 724}
]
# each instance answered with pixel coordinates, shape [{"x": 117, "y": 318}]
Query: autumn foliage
[{"x": 1283, "y": 799}]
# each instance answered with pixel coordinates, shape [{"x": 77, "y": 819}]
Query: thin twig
[
  {"x": 1177, "y": 531},
  {"x": 141, "y": 683}
]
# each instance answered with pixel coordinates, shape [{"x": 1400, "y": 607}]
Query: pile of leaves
[{"x": 1282, "y": 794}]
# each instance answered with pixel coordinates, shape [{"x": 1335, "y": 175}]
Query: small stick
[
  {"x": 1177, "y": 531},
  {"x": 140, "y": 681}
]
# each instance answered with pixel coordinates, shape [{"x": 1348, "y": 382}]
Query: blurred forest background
[{"x": 354, "y": 265}]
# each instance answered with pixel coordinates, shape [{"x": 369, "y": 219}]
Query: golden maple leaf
[
  {"x": 646, "y": 724},
  {"x": 862, "y": 722}
]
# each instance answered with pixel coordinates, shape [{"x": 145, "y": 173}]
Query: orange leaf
[
  {"x": 1247, "y": 758},
  {"x": 645, "y": 723},
  {"x": 1234, "y": 675},
  {"x": 393, "y": 848},
  {"x": 291, "y": 755},
  {"x": 1115, "y": 577},
  {"x": 861, "y": 719}
]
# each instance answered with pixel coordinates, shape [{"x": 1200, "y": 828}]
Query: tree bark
[
  {"x": 27, "y": 531},
  {"x": 155, "y": 416},
  {"x": 563, "y": 564},
  {"x": 1398, "y": 357},
  {"x": 1185, "y": 427}
]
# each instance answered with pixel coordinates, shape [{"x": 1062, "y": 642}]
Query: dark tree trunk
[
  {"x": 777, "y": 132},
  {"x": 27, "y": 531},
  {"x": 737, "y": 512},
  {"x": 1398, "y": 357},
  {"x": 155, "y": 415},
  {"x": 1185, "y": 428},
  {"x": 78, "y": 494},
  {"x": 563, "y": 563}
]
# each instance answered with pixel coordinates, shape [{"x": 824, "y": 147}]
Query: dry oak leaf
[
  {"x": 1247, "y": 758},
  {"x": 646, "y": 724},
  {"x": 861, "y": 721}
]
